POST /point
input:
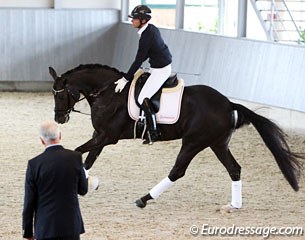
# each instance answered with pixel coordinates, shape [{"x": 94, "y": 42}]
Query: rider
[{"x": 152, "y": 47}]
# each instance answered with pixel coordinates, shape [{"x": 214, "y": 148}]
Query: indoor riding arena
[{"x": 264, "y": 74}]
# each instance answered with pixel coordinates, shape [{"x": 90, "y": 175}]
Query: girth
[{"x": 171, "y": 82}]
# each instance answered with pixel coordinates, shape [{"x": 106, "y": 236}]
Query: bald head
[{"x": 49, "y": 133}]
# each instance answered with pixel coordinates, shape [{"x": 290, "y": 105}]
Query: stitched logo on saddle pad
[{"x": 170, "y": 102}]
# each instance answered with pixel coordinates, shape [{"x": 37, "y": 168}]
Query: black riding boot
[{"x": 150, "y": 116}]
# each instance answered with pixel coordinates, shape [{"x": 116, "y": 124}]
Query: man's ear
[{"x": 53, "y": 73}]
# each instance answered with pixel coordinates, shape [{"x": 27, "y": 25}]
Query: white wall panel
[
  {"x": 116, "y": 4},
  {"x": 261, "y": 72},
  {"x": 34, "y": 39},
  {"x": 27, "y": 3}
]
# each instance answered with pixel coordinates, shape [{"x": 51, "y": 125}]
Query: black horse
[{"x": 207, "y": 119}]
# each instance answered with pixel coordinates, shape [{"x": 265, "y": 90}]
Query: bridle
[
  {"x": 57, "y": 91},
  {"x": 76, "y": 100},
  {"x": 70, "y": 95}
]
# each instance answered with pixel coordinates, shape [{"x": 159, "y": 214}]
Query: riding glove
[{"x": 120, "y": 84}]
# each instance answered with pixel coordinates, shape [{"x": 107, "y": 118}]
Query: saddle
[
  {"x": 171, "y": 82},
  {"x": 167, "y": 106}
]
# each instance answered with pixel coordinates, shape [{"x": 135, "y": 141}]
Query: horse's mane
[{"x": 91, "y": 66}]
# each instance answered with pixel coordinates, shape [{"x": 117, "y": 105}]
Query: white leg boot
[
  {"x": 156, "y": 191},
  {"x": 236, "y": 202}
]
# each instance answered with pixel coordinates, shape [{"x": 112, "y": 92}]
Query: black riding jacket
[{"x": 152, "y": 46}]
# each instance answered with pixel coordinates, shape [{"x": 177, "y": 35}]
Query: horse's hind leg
[
  {"x": 226, "y": 158},
  {"x": 186, "y": 154}
]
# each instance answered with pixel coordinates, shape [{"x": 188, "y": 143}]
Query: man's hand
[{"x": 120, "y": 84}]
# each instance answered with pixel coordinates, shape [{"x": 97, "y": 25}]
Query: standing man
[
  {"x": 152, "y": 47},
  {"x": 53, "y": 181}
]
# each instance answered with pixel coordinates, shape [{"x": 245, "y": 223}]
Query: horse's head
[{"x": 65, "y": 96}]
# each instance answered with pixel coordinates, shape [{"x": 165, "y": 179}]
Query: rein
[
  {"x": 77, "y": 111},
  {"x": 94, "y": 95},
  {"x": 69, "y": 109},
  {"x": 80, "y": 112}
]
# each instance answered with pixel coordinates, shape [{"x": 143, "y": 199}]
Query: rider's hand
[{"x": 120, "y": 84}]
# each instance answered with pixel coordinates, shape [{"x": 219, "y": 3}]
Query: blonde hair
[{"x": 49, "y": 131}]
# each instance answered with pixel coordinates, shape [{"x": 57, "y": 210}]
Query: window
[
  {"x": 209, "y": 16},
  {"x": 201, "y": 15}
]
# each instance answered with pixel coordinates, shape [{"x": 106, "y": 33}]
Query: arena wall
[
  {"x": 255, "y": 71},
  {"x": 31, "y": 40},
  {"x": 61, "y": 3}
]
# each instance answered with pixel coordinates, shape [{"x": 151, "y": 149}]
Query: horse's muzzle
[{"x": 62, "y": 118}]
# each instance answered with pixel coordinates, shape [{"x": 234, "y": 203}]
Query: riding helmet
[{"x": 141, "y": 12}]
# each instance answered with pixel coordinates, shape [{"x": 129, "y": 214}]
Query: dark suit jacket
[{"x": 53, "y": 181}]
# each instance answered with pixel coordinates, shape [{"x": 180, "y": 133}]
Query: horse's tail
[{"x": 274, "y": 138}]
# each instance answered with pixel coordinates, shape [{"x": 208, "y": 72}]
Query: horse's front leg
[
  {"x": 97, "y": 142},
  {"x": 186, "y": 154},
  {"x": 93, "y": 181},
  {"x": 95, "y": 146},
  {"x": 92, "y": 156}
]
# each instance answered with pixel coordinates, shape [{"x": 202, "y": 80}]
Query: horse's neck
[
  {"x": 93, "y": 86},
  {"x": 108, "y": 95}
]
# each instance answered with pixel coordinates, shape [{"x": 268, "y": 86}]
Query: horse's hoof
[
  {"x": 93, "y": 183},
  {"x": 228, "y": 208},
  {"x": 140, "y": 203}
]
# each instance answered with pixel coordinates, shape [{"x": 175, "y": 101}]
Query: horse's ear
[{"x": 53, "y": 73}]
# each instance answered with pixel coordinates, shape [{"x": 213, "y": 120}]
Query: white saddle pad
[{"x": 170, "y": 102}]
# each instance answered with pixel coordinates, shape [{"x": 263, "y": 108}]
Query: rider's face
[{"x": 135, "y": 22}]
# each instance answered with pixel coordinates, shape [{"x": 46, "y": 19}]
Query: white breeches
[{"x": 156, "y": 79}]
